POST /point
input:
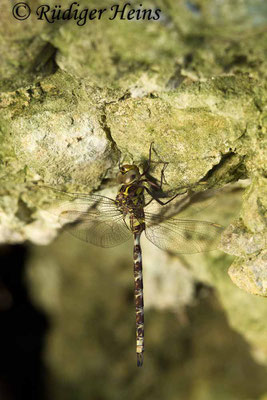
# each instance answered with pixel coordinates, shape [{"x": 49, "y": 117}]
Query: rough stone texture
[
  {"x": 74, "y": 99},
  {"x": 254, "y": 269}
]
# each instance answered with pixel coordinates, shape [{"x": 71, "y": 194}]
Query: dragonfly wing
[
  {"x": 103, "y": 232},
  {"x": 182, "y": 235},
  {"x": 91, "y": 218}
]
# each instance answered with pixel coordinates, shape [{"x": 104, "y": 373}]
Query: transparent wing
[
  {"x": 182, "y": 235},
  {"x": 91, "y": 218}
]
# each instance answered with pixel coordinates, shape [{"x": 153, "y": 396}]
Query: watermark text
[{"x": 81, "y": 16}]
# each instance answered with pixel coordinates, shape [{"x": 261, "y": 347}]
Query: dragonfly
[{"x": 107, "y": 222}]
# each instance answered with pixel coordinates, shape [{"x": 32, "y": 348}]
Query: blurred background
[
  {"x": 68, "y": 324},
  {"x": 72, "y": 99}
]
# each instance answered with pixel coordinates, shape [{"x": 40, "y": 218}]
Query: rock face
[{"x": 76, "y": 99}]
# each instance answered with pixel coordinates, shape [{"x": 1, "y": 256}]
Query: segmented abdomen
[{"x": 139, "y": 302}]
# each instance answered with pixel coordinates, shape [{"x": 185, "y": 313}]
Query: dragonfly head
[{"x": 128, "y": 174}]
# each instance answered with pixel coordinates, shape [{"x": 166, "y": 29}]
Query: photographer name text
[{"x": 81, "y": 16}]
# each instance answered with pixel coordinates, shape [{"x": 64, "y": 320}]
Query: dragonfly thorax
[
  {"x": 130, "y": 198},
  {"x": 130, "y": 201}
]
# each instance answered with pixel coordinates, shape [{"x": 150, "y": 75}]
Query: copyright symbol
[{"x": 21, "y": 11}]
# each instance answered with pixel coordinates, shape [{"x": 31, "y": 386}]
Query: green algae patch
[
  {"x": 57, "y": 132},
  {"x": 118, "y": 53},
  {"x": 195, "y": 129},
  {"x": 52, "y": 133},
  {"x": 250, "y": 273}
]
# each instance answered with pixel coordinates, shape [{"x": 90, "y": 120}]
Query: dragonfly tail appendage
[
  {"x": 139, "y": 302},
  {"x": 140, "y": 359}
]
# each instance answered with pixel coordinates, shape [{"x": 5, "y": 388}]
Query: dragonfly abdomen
[{"x": 139, "y": 299}]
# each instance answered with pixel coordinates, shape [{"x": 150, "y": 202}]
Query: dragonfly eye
[
  {"x": 128, "y": 174},
  {"x": 131, "y": 177}
]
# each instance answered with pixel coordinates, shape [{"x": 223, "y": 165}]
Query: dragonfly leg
[
  {"x": 162, "y": 203},
  {"x": 139, "y": 302},
  {"x": 149, "y": 160}
]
